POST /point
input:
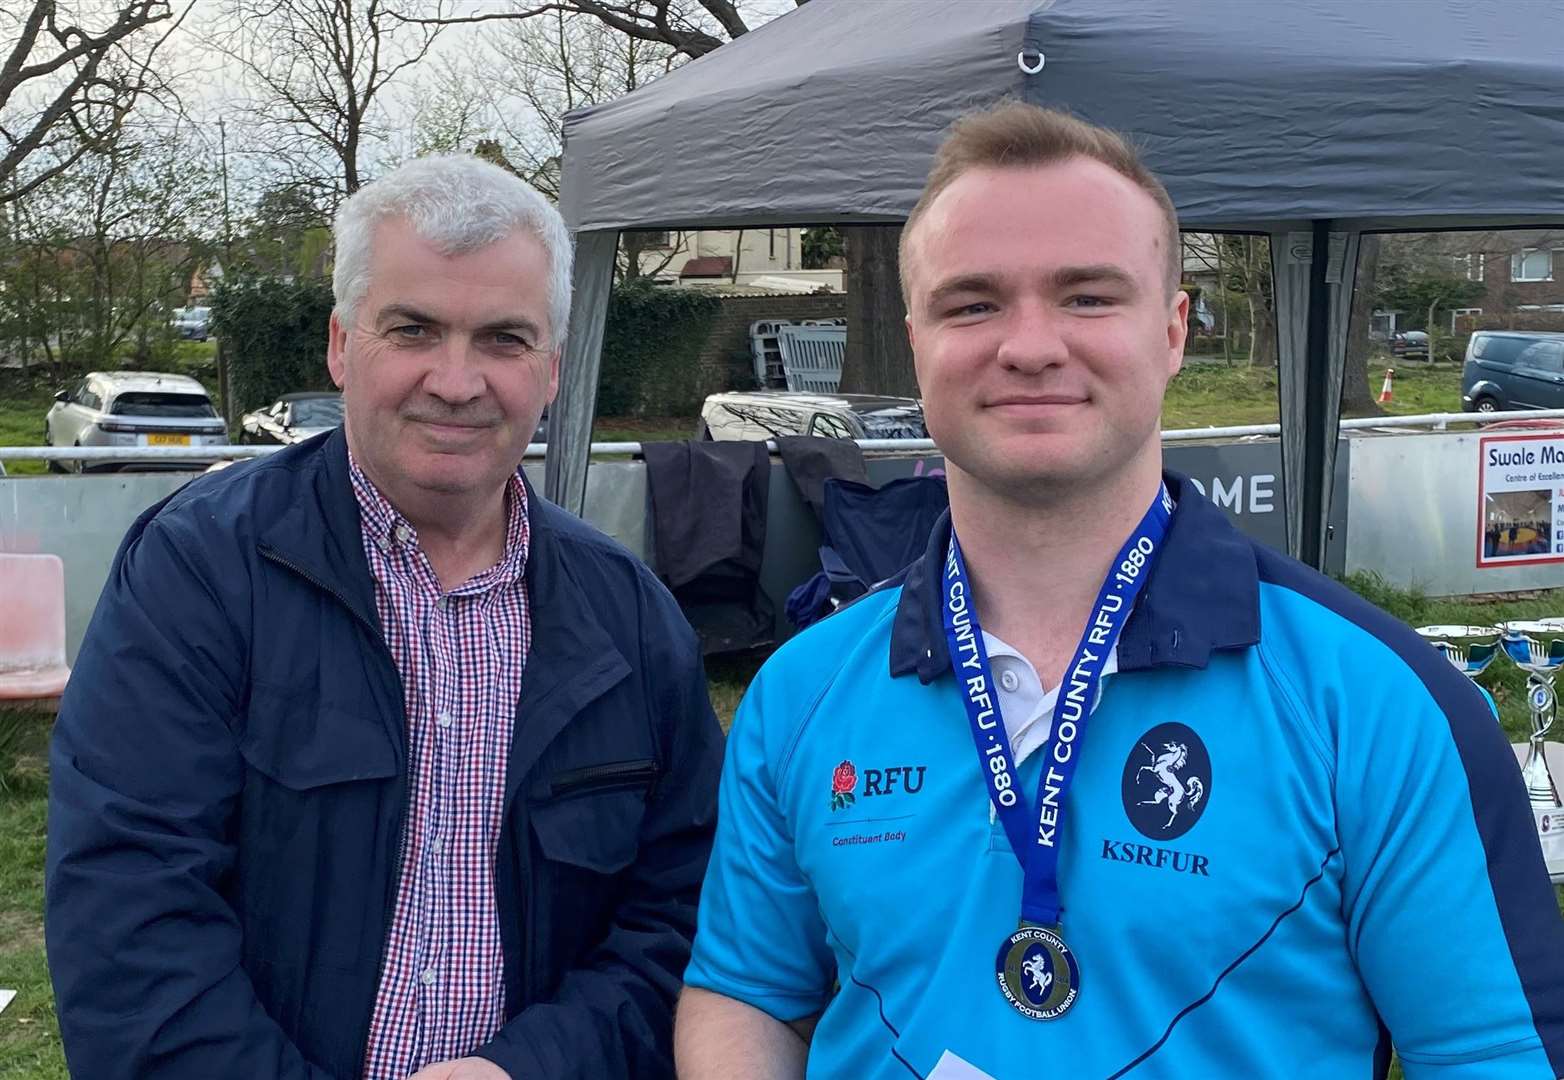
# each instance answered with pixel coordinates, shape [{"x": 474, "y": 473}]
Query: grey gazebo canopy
[{"x": 1312, "y": 121}]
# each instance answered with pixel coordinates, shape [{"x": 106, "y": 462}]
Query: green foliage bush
[
  {"x": 651, "y": 345},
  {"x": 1203, "y": 345},
  {"x": 1452, "y": 347},
  {"x": 273, "y": 334},
  {"x": 821, "y": 245}
]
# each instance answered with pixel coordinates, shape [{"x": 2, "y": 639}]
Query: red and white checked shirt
[{"x": 460, "y": 654}]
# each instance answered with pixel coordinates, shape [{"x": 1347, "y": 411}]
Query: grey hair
[{"x": 458, "y": 203}]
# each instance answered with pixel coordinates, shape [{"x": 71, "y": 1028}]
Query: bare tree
[
  {"x": 455, "y": 109},
  {"x": 70, "y": 77},
  {"x": 508, "y": 104},
  {"x": 552, "y": 64},
  {"x": 690, "y": 27},
  {"x": 557, "y": 75},
  {"x": 562, "y": 61},
  {"x": 318, "y": 69}
]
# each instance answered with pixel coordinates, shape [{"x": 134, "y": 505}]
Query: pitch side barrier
[{"x": 1408, "y": 485}]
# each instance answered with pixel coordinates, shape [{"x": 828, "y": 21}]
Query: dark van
[{"x": 1513, "y": 369}]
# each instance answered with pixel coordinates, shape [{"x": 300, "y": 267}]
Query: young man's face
[
  {"x": 1042, "y": 328},
  {"x": 447, "y": 364}
]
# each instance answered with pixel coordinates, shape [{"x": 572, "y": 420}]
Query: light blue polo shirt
[{"x": 1295, "y": 835}]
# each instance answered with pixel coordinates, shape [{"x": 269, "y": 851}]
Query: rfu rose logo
[{"x": 843, "y": 780}]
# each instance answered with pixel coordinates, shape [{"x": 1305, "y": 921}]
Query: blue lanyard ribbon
[{"x": 1038, "y": 851}]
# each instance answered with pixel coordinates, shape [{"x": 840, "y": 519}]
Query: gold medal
[{"x": 1037, "y": 973}]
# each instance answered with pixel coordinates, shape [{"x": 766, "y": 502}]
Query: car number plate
[{"x": 168, "y": 440}]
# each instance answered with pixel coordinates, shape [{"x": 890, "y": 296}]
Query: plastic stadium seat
[{"x": 32, "y": 627}]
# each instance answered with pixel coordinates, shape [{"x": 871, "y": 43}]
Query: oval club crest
[{"x": 1167, "y": 782}]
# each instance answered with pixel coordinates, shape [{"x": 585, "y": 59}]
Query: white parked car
[
  {"x": 131, "y": 409},
  {"x": 765, "y": 414}
]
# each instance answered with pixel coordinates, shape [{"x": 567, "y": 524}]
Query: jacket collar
[
  {"x": 1203, "y": 594},
  {"x": 320, "y": 534}
]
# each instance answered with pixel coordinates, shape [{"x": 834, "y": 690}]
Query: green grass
[
  {"x": 1210, "y": 395},
  {"x": 727, "y": 677},
  {"x": 644, "y": 428},
  {"x": 22, "y": 405},
  {"x": 29, "y": 1033},
  {"x": 1420, "y": 388}
]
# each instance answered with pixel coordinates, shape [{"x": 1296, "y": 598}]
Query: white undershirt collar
[{"x": 1027, "y": 709}]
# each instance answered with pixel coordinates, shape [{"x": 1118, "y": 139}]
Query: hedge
[
  {"x": 1550, "y": 321},
  {"x": 651, "y": 343},
  {"x": 273, "y": 336}
]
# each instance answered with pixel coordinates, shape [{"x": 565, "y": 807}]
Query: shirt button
[
  {"x": 427, "y": 978},
  {"x": 443, "y": 719},
  {"x": 1008, "y": 681},
  {"x": 440, "y": 604},
  {"x": 437, "y": 846},
  {"x": 403, "y": 534},
  {"x": 382, "y": 544}
]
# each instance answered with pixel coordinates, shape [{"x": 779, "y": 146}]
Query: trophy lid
[
  {"x": 1535, "y": 645},
  {"x": 1537, "y": 628},
  {"x": 1465, "y": 633}
]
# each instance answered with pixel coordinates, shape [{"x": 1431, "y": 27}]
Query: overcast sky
[{"x": 213, "y": 85}]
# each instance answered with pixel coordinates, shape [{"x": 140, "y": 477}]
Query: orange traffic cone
[{"x": 1385, "y": 390}]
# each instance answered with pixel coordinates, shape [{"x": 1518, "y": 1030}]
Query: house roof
[{"x": 708, "y": 266}]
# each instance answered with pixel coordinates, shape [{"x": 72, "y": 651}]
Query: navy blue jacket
[{"x": 229, "y": 783}]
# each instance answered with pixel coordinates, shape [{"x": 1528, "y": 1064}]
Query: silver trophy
[
  {"x": 1538, "y": 649},
  {"x": 1470, "y": 648}
]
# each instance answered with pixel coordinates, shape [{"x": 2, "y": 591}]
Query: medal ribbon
[{"x": 1038, "y": 852}]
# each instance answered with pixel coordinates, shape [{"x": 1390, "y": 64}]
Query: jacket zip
[
  {"x": 600, "y": 777},
  {"x": 407, "y": 781}
]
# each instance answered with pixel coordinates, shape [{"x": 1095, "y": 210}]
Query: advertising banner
[{"x": 1520, "y": 499}]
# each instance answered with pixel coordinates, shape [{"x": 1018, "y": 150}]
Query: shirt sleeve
[
  {"x": 759, "y": 936},
  {"x": 1450, "y": 915}
]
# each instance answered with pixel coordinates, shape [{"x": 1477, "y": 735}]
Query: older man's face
[{"x": 447, "y": 364}]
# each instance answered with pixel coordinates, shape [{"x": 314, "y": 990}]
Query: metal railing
[{"x": 207, "y": 454}]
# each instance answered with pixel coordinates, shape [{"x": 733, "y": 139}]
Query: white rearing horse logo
[
  {"x": 1174, "y": 792},
  {"x": 1038, "y": 973}
]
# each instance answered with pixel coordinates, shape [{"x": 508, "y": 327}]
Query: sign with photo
[{"x": 1520, "y": 500}]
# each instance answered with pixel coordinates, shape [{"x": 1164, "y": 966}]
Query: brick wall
[
  {"x": 1507, "y": 295},
  {"x": 725, "y": 358},
  {"x": 1504, "y": 295}
]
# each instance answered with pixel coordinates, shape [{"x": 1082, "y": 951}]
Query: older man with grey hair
[{"x": 374, "y": 764}]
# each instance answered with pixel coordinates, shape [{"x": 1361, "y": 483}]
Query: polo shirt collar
[{"x": 1203, "y": 595}]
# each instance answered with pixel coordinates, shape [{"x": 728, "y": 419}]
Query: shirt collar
[
  {"x": 386, "y": 528},
  {"x": 1203, "y": 594}
]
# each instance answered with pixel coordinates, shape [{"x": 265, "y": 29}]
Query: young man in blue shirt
[{"x": 1098, "y": 787}]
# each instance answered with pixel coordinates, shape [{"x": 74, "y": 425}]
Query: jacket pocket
[
  {"x": 585, "y": 842},
  {"x": 316, "y": 831},
  {"x": 304, "y": 745},
  {"x": 592, "y": 818}
]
